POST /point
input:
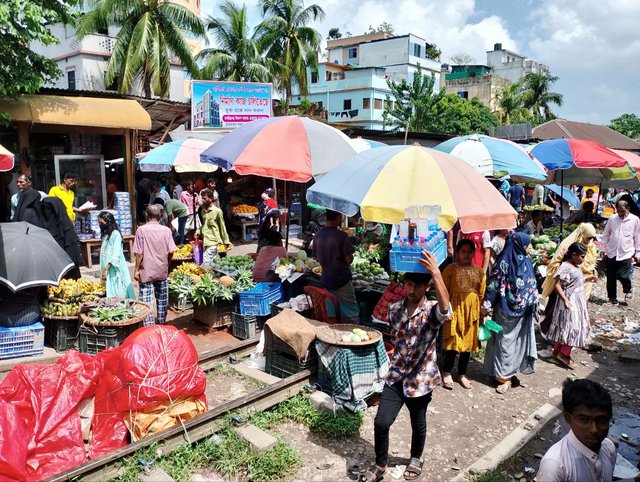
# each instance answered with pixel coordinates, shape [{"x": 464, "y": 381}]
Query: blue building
[
  {"x": 207, "y": 112},
  {"x": 352, "y": 85}
]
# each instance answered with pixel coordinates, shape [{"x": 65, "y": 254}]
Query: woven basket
[
  {"x": 333, "y": 334},
  {"x": 144, "y": 310}
]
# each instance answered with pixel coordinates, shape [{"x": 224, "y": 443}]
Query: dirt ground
[{"x": 463, "y": 425}]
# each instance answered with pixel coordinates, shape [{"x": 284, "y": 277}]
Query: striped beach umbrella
[
  {"x": 182, "y": 155},
  {"x": 382, "y": 182},
  {"x": 290, "y": 148},
  {"x": 496, "y": 158}
]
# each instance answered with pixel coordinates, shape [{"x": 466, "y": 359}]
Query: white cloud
[
  {"x": 593, "y": 47},
  {"x": 447, "y": 24}
]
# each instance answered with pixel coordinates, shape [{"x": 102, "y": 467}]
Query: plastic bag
[
  {"x": 155, "y": 364},
  {"x": 45, "y": 398}
]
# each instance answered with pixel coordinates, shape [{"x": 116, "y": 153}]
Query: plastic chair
[{"x": 319, "y": 298}]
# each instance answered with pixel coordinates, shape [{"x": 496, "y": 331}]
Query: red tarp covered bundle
[{"x": 40, "y": 430}]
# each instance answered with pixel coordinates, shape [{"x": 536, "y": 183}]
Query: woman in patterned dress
[{"x": 512, "y": 296}]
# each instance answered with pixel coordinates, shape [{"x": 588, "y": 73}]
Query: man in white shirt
[
  {"x": 157, "y": 192},
  {"x": 538, "y": 196},
  {"x": 621, "y": 249},
  {"x": 585, "y": 453},
  {"x": 535, "y": 225}
]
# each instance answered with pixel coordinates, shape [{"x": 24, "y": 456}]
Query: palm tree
[
  {"x": 537, "y": 96},
  {"x": 510, "y": 107},
  {"x": 236, "y": 56},
  {"x": 151, "y": 32},
  {"x": 286, "y": 38}
]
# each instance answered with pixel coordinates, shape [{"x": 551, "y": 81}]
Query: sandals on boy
[
  {"x": 373, "y": 474},
  {"x": 414, "y": 469}
]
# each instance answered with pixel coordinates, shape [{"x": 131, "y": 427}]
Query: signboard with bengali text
[{"x": 227, "y": 105}]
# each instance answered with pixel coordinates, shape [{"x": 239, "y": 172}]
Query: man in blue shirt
[{"x": 516, "y": 196}]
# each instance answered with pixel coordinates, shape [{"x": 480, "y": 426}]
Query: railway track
[{"x": 198, "y": 427}]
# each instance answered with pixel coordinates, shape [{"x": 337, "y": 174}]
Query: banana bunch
[
  {"x": 185, "y": 251},
  {"x": 59, "y": 309},
  {"x": 188, "y": 268},
  {"x": 73, "y": 289}
]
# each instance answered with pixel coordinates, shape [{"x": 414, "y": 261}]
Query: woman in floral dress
[{"x": 512, "y": 297}]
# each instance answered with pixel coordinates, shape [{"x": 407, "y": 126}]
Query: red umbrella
[{"x": 6, "y": 159}]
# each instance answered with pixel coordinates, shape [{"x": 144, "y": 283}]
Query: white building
[
  {"x": 511, "y": 65},
  {"x": 352, "y": 85},
  {"x": 83, "y": 62}
]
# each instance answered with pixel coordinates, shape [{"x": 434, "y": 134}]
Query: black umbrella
[{"x": 29, "y": 256}]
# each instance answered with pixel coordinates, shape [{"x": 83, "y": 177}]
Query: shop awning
[{"x": 78, "y": 111}]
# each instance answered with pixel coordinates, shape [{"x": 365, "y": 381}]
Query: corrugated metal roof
[{"x": 560, "y": 128}]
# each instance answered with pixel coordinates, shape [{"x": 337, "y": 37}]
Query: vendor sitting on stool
[
  {"x": 334, "y": 251},
  {"x": 262, "y": 269}
]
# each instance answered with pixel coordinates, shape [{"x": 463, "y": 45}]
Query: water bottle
[
  {"x": 396, "y": 242},
  {"x": 405, "y": 243}
]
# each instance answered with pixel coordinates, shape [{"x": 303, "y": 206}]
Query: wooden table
[
  {"x": 244, "y": 224},
  {"x": 89, "y": 244}
]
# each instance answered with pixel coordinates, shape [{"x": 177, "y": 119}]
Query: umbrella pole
[
  {"x": 598, "y": 199},
  {"x": 561, "y": 199},
  {"x": 287, "y": 206}
]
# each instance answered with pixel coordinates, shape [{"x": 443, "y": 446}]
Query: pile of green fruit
[
  {"x": 232, "y": 264},
  {"x": 368, "y": 272}
]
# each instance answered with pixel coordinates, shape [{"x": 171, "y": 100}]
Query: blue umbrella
[
  {"x": 565, "y": 193},
  {"x": 495, "y": 157}
]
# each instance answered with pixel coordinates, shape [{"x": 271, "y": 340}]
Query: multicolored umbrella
[
  {"x": 360, "y": 144},
  {"x": 7, "y": 159},
  {"x": 577, "y": 161},
  {"x": 495, "y": 157},
  {"x": 382, "y": 182},
  {"x": 182, "y": 155},
  {"x": 290, "y": 148}
]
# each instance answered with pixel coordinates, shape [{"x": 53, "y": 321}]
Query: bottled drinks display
[{"x": 418, "y": 232}]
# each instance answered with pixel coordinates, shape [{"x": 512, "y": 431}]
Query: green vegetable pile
[
  {"x": 120, "y": 312},
  {"x": 210, "y": 290}
]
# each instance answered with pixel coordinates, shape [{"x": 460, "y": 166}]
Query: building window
[
  {"x": 353, "y": 52},
  {"x": 377, "y": 104},
  {"x": 464, "y": 94},
  {"x": 314, "y": 77},
  {"x": 346, "y": 104},
  {"x": 417, "y": 50},
  {"x": 71, "y": 79},
  {"x": 366, "y": 103}
]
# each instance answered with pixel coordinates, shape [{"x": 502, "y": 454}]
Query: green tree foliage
[
  {"x": 416, "y": 106},
  {"x": 457, "y": 116},
  {"x": 286, "y": 37},
  {"x": 410, "y": 104},
  {"x": 510, "y": 105},
  {"x": 23, "y": 71},
  {"x": 627, "y": 124},
  {"x": 236, "y": 56},
  {"x": 538, "y": 97},
  {"x": 334, "y": 33},
  {"x": 433, "y": 52},
  {"x": 151, "y": 33}
]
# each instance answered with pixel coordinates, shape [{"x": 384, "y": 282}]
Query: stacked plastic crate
[{"x": 123, "y": 212}]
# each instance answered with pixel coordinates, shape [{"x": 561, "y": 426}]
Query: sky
[{"x": 592, "y": 46}]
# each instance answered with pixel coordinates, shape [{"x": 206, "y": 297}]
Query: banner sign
[{"x": 227, "y": 105}]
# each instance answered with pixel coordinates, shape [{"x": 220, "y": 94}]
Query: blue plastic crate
[
  {"x": 402, "y": 261},
  {"x": 257, "y": 301},
  {"x": 22, "y": 341}
]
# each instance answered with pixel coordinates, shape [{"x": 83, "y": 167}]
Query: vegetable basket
[{"x": 143, "y": 310}]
